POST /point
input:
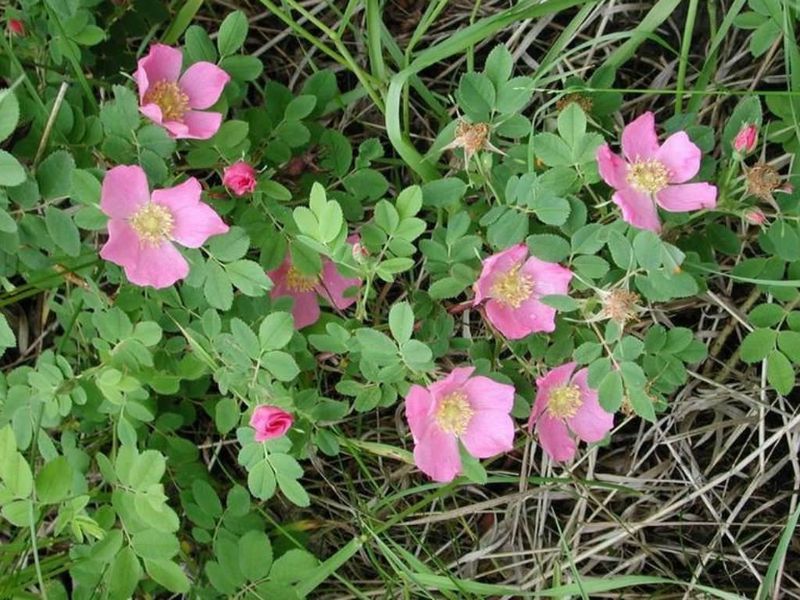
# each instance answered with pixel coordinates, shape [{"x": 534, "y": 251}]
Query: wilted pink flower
[
  {"x": 755, "y": 216},
  {"x": 270, "y": 422},
  {"x": 16, "y": 27},
  {"x": 474, "y": 410},
  {"x": 653, "y": 174},
  {"x": 513, "y": 283},
  {"x": 175, "y": 101},
  {"x": 240, "y": 178},
  {"x": 142, "y": 228},
  {"x": 306, "y": 289},
  {"x": 745, "y": 141},
  {"x": 565, "y": 408}
]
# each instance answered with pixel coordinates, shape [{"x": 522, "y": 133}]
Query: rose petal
[
  {"x": 203, "y": 82},
  {"x": 124, "y": 191},
  {"x": 200, "y": 124},
  {"x": 592, "y": 422},
  {"x": 489, "y": 432},
  {"x": 639, "y": 139},
  {"x": 437, "y": 455},
  {"x": 613, "y": 169},
  {"x": 687, "y": 197},
  {"x": 555, "y": 439},
  {"x": 637, "y": 209},
  {"x": 680, "y": 156}
]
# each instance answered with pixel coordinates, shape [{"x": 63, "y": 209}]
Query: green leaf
[
  {"x": 198, "y": 46},
  {"x": 401, "y": 322},
  {"x": 226, "y": 415},
  {"x": 572, "y": 124},
  {"x": 261, "y": 481},
  {"x": 476, "y": 96},
  {"x": 232, "y": 33},
  {"x": 217, "y": 287},
  {"x": 85, "y": 188},
  {"x": 242, "y": 68},
  {"x": 248, "y": 277},
  {"x": 512, "y": 96},
  {"x": 206, "y": 498},
  {"x": 499, "y": 65},
  {"x": 168, "y": 574},
  {"x": 124, "y": 574},
  {"x": 552, "y": 210},
  {"x": 561, "y": 302},
  {"x": 7, "y": 337},
  {"x": 472, "y": 468},
  {"x": 300, "y": 107},
  {"x": 275, "y": 331},
  {"x": 293, "y": 491},
  {"x": 552, "y": 150},
  {"x": 62, "y": 230},
  {"x": 9, "y": 113},
  {"x": 282, "y": 365},
  {"x": 255, "y": 555},
  {"x": 610, "y": 391},
  {"x": 54, "y": 480},
  {"x": 647, "y": 249},
  {"x": 780, "y": 373},
  {"x": 55, "y": 175},
  {"x": 11, "y": 172},
  {"x": 621, "y": 250},
  {"x": 154, "y": 544},
  {"x": 757, "y": 345}
]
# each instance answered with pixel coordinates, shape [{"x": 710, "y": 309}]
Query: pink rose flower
[
  {"x": 270, "y": 422},
  {"x": 306, "y": 289},
  {"x": 474, "y": 410},
  {"x": 240, "y": 178},
  {"x": 176, "y": 101},
  {"x": 513, "y": 282},
  {"x": 746, "y": 140},
  {"x": 653, "y": 175},
  {"x": 16, "y": 27},
  {"x": 565, "y": 408},
  {"x": 142, "y": 227}
]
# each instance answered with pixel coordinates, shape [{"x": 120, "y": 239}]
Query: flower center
[
  {"x": 648, "y": 176},
  {"x": 454, "y": 413},
  {"x": 298, "y": 282},
  {"x": 153, "y": 223},
  {"x": 170, "y": 98},
  {"x": 512, "y": 288},
  {"x": 564, "y": 402}
]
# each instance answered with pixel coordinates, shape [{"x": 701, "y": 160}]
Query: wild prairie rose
[
  {"x": 239, "y": 178},
  {"x": 270, "y": 422},
  {"x": 142, "y": 227},
  {"x": 653, "y": 174},
  {"x": 472, "y": 410},
  {"x": 513, "y": 284},
  {"x": 746, "y": 140},
  {"x": 306, "y": 289},
  {"x": 176, "y": 101},
  {"x": 566, "y": 408}
]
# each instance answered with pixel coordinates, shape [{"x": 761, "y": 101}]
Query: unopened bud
[
  {"x": 755, "y": 216},
  {"x": 16, "y": 27},
  {"x": 745, "y": 141}
]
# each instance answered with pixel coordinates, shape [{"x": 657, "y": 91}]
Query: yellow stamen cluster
[
  {"x": 454, "y": 413},
  {"x": 170, "y": 98},
  {"x": 512, "y": 288},
  {"x": 564, "y": 402},
  {"x": 153, "y": 223},
  {"x": 648, "y": 176},
  {"x": 299, "y": 282}
]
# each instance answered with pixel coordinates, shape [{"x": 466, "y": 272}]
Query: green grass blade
[{"x": 767, "y": 588}]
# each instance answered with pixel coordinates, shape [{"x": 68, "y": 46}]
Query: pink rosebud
[
  {"x": 650, "y": 174},
  {"x": 270, "y": 422},
  {"x": 144, "y": 226},
  {"x": 178, "y": 102},
  {"x": 755, "y": 216},
  {"x": 240, "y": 178},
  {"x": 472, "y": 410},
  {"x": 16, "y": 27},
  {"x": 745, "y": 141},
  {"x": 567, "y": 408},
  {"x": 306, "y": 290},
  {"x": 513, "y": 283}
]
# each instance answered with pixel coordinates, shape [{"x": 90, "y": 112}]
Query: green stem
[{"x": 686, "y": 43}]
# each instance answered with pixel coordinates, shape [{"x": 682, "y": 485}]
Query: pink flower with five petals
[
  {"x": 513, "y": 284},
  {"x": 566, "y": 408},
  {"x": 175, "y": 101},
  {"x": 653, "y": 174},
  {"x": 142, "y": 227},
  {"x": 472, "y": 410},
  {"x": 306, "y": 289}
]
